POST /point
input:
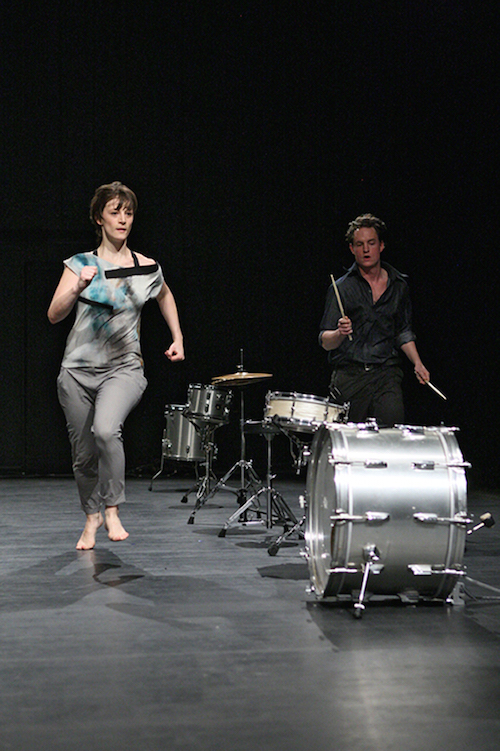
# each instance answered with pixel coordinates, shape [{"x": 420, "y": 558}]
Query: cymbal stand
[
  {"x": 277, "y": 510},
  {"x": 253, "y": 482}
]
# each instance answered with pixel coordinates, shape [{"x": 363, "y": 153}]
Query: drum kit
[{"x": 385, "y": 509}]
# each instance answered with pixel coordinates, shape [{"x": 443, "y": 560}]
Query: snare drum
[
  {"x": 400, "y": 492},
  {"x": 181, "y": 440},
  {"x": 208, "y": 403},
  {"x": 301, "y": 412}
]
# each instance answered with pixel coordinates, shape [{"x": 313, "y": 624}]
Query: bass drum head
[{"x": 400, "y": 491}]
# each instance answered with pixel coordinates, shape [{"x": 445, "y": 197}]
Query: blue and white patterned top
[{"x": 106, "y": 331}]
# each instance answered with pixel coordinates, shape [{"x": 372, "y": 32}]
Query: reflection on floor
[{"x": 178, "y": 638}]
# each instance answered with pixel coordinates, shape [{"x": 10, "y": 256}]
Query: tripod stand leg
[
  {"x": 220, "y": 484},
  {"x": 254, "y": 483},
  {"x": 242, "y": 510},
  {"x": 276, "y": 544},
  {"x": 162, "y": 462}
]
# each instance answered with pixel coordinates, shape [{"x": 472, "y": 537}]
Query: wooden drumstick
[
  {"x": 438, "y": 392},
  {"x": 341, "y": 307}
]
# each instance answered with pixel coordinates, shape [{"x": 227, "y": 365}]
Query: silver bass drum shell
[{"x": 393, "y": 495}]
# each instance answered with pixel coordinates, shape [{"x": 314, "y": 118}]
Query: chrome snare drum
[
  {"x": 301, "y": 412},
  {"x": 181, "y": 440},
  {"x": 208, "y": 403},
  {"x": 386, "y": 511}
]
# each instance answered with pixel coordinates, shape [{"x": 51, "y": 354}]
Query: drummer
[{"x": 363, "y": 343}]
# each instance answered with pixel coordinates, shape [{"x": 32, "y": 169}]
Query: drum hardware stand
[
  {"x": 241, "y": 378},
  {"x": 300, "y": 460},
  {"x": 160, "y": 471},
  {"x": 202, "y": 485},
  {"x": 164, "y": 443},
  {"x": 277, "y": 510},
  {"x": 297, "y": 528}
]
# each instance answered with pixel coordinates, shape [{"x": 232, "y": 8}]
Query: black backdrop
[{"x": 252, "y": 132}]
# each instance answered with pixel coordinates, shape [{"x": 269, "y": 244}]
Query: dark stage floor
[{"x": 180, "y": 639}]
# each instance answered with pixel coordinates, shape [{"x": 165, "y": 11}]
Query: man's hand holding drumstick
[
  {"x": 345, "y": 327},
  {"x": 345, "y": 323}
]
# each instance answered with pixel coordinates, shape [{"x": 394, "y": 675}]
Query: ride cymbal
[{"x": 242, "y": 378}]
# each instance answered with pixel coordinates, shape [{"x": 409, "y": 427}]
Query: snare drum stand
[
  {"x": 277, "y": 510},
  {"x": 299, "y": 460}
]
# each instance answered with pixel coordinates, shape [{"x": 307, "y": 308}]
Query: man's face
[{"x": 366, "y": 247}]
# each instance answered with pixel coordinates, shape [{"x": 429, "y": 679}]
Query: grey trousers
[{"x": 96, "y": 403}]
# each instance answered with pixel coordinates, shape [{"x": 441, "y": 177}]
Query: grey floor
[{"x": 178, "y": 638}]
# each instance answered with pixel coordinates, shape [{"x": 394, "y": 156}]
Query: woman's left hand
[{"x": 175, "y": 352}]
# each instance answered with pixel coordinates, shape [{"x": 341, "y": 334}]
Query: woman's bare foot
[
  {"x": 116, "y": 531},
  {"x": 87, "y": 540}
]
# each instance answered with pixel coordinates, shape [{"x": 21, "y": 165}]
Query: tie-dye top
[{"x": 106, "y": 331}]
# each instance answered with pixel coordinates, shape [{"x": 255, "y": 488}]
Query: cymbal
[{"x": 242, "y": 378}]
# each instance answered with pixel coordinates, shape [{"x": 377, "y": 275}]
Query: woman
[{"x": 101, "y": 378}]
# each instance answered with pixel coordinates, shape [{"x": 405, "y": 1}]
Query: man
[{"x": 363, "y": 343}]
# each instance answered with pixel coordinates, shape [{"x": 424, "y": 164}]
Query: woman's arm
[
  {"x": 67, "y": 292},
  {"x": 168, "y": 308}
]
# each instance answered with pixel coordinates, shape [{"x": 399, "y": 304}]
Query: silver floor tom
[
  {"x": 208, "y": 403},
  {"x": 301, "y": 412},
  {"x": 181, "y": 440},
  {"x": 395, "y": 497}
]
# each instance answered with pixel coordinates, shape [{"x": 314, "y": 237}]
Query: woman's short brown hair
[{"x": 105, "y": 193}]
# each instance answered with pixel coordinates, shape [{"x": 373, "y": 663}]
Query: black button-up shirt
[{"x": 378, "y": 328}]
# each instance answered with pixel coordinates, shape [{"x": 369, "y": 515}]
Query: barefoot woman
[{"x": 101, "y": 378}]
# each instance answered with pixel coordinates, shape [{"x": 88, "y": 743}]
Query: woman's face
[{"x": 116, "y": 220}]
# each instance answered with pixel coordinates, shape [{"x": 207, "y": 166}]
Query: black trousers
[{"x": 372, "y": 391}]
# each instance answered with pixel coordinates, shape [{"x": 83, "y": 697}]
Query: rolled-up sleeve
[
  {"x": 331, "y": 315},
  {"x": 404, "y": 332}
]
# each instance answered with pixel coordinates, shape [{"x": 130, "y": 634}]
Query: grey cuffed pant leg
[{"x": 96, "y": 404}]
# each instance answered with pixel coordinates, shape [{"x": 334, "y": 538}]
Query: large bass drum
[{"x": 392, "y": 496}]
